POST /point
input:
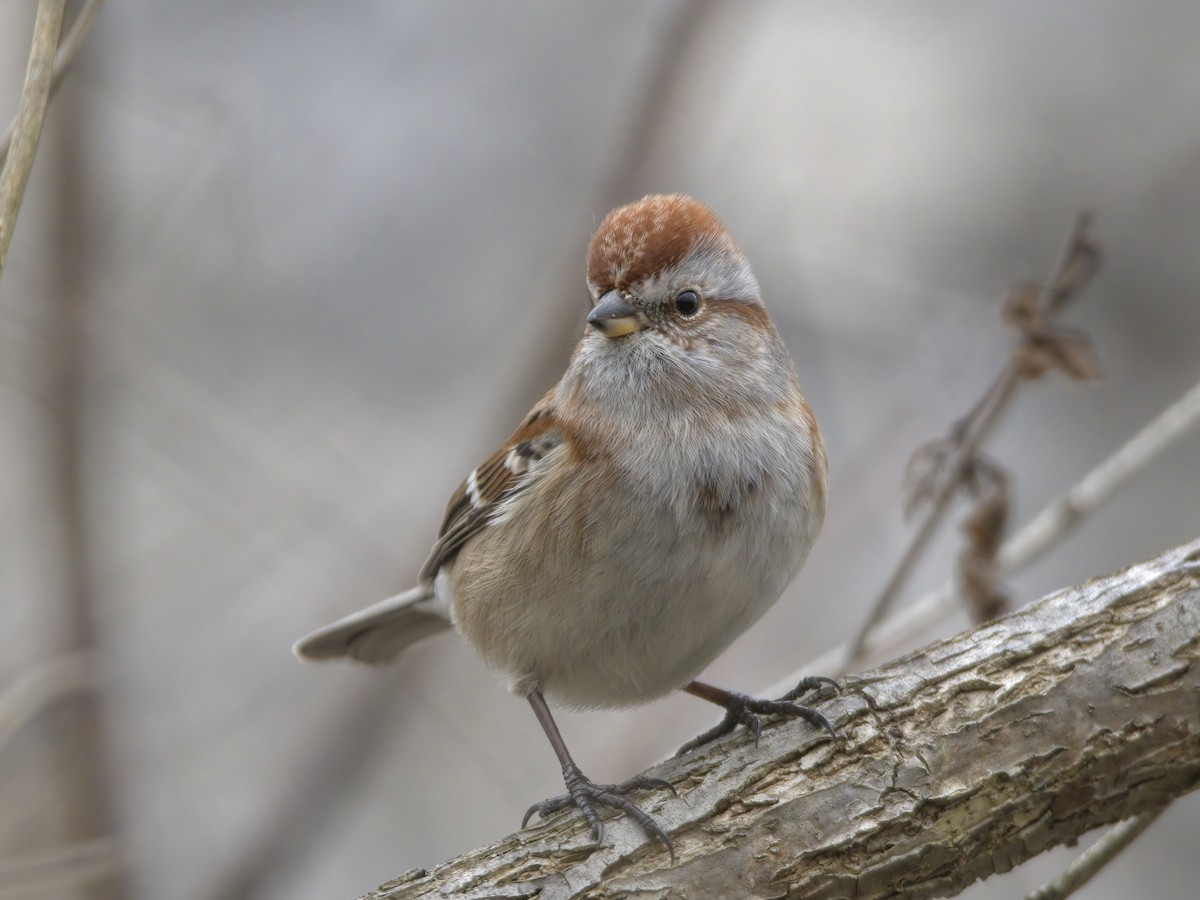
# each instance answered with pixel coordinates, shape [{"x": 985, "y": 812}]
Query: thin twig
[
  {"x": 974, "y": 430},
  {"x": 41, "y": 686},
  {"x": 1066, "y": 511},
  {"x": 1046, "y": 530},
  {"x": 1096, "y": 857},
  {"x": 67, "y": 50},
  {"x": 31, "y": 112}
]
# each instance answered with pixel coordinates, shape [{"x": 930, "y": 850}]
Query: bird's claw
[
  {"x": 583, "y": 793},
  {"x": 812, "y": 683},
  {"x": 747, "y": 711}
]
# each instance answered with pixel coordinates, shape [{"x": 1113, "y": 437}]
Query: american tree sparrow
[{"x": 645, "y": 513}]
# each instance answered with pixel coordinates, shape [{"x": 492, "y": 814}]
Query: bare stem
[
  {"x": 62, "y": 62},
  {"x": 1045, "y": 531},
  {"x": 975, "y": 430},
  {"x": 31, "y": 112},
  {"x": 989, "y": 411}
]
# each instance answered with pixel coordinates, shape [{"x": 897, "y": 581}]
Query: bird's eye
[{"x": 688, "y": 303}]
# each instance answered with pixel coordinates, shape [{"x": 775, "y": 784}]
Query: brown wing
[{"x": 500, "y": 477}]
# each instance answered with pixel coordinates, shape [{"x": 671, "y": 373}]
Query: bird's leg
[
  {"x": 585, "y": 794},
  {"x": 743, "y": 710}
]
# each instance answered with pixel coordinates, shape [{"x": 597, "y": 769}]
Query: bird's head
[{"x": 665, "y": 269}]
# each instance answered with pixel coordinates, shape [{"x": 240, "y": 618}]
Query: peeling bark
[{"x": 962, "y": 759}]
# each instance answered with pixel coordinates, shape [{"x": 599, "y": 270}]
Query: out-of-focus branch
[
  {"x": 962, "y": 759},
  {"x": 667, "y": 68},
  {"x": 41, "y": 687},
  {"x": 31, "y": 112},
  {"x": 90, "y": 856},
  {"x": 1076, "y": 259},
  {"x": 60, "y": 871},
  {"x": 62, "y": 62},
  {"x": 79, "y": 748},
  {"x": 1096, "y": 857},
  {"x": 341, "y": 755},
  {"x": 350, "y": 747}
]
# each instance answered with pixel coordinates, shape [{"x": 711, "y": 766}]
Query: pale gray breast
[{"x": 612, "y": 581}]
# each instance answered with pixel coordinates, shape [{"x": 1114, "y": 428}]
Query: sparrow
[{"x": 646, "y": 512}]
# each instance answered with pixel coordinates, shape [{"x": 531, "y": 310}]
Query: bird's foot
[
  {"x": 586, "y": 795},
  {"x": 741, "y": 709}
]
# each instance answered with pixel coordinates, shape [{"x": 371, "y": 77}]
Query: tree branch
[{"x": 960, "y": 760}]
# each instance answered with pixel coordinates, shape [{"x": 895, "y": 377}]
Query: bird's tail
[{"x": 378, "y": 633}]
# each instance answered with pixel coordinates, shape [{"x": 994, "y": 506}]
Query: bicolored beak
[{"x": 615, "y": 316}]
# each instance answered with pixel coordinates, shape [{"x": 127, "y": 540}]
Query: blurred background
[{"x": 287, "y": 271}]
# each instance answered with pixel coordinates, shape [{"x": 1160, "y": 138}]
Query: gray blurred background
[{"x": 305, "y": 264}]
